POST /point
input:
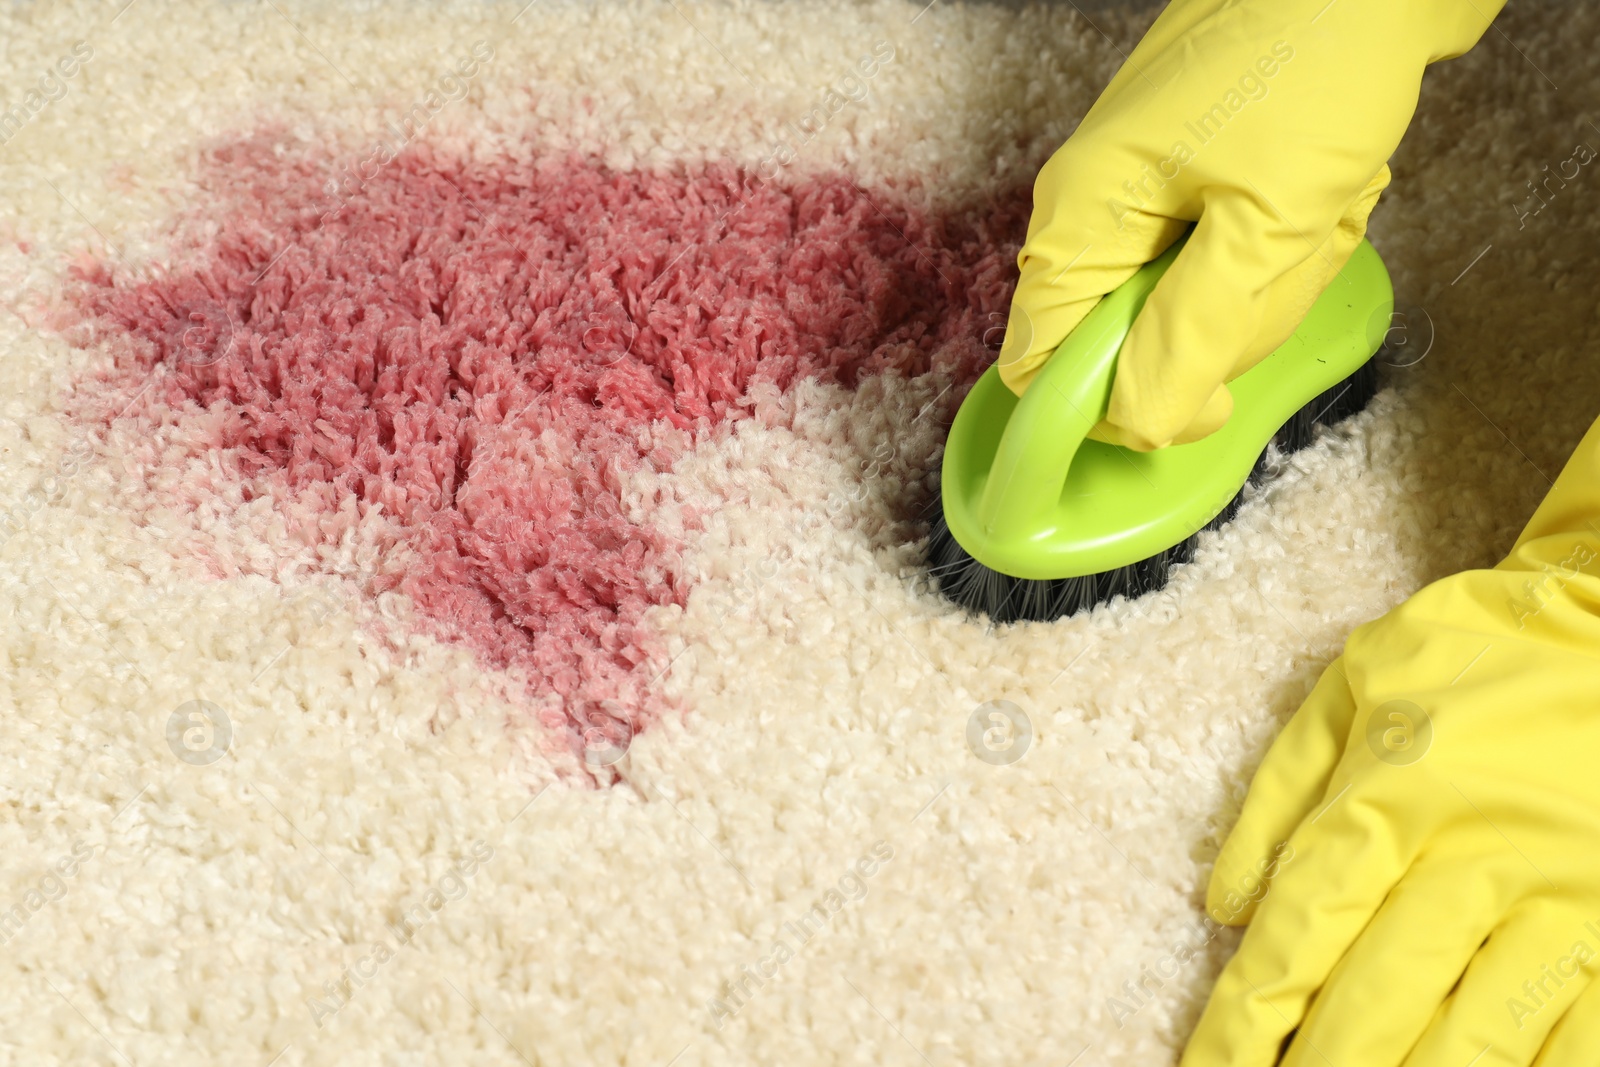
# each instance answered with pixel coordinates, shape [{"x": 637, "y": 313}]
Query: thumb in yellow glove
[
  {"x": 1267, "y": 123},
  {"x": 1440, "y": 796}
]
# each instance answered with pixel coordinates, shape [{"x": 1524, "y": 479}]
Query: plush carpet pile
[
  {"x": 460, "y": 472},
  {"x": 483, "y": 353}
]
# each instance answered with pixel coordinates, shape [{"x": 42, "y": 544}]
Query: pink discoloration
[{"x": 486, "y": 352}]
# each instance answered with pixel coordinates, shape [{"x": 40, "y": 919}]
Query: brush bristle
[{"x": 983, "y": 590}]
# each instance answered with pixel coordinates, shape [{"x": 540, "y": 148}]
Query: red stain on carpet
[{"x": 487, "y": 351}]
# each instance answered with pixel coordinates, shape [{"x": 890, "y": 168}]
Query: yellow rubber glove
[
  {"x": 1268, "y": 122},
  {"x": 1437, "y": 900}
]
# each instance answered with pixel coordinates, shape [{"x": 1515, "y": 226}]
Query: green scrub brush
[{"x": 1036, "y": 521}]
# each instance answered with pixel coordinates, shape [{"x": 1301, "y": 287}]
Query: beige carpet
[{"x": 384, "y": 858}]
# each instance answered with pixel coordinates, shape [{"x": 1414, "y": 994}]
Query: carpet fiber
[{"x": 460, "y": 473}]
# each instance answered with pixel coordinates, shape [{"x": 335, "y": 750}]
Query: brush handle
[{"x": 1064, "y": 402}]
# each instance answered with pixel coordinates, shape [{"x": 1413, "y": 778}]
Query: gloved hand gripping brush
[
  {"x": 1260, "y": 129},
  {"x": 1037, "y": 521}
]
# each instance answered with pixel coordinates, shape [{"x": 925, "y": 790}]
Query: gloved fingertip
[
  {"x": 1226, "y": 906},
  {"x": 1209, "y": 419},
  {"x": 1019, "y": 374}
]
